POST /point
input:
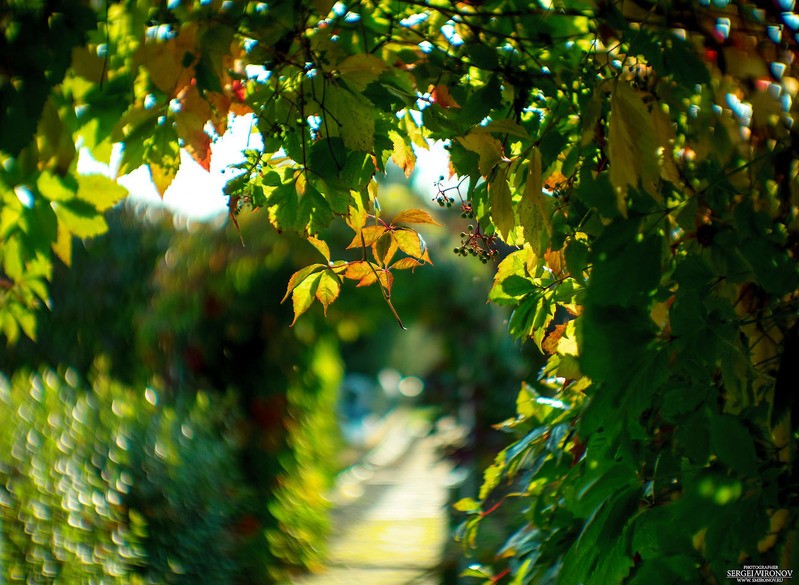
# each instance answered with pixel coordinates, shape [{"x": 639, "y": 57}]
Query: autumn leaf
[
  {"x": 384, "y": 248},
  {"x": 303, "y": 295},
  {"x": 632, "y": 145},
  {"x": 298, "y": 277},
  {"x": 411, "y": 243},
  {"x": 170, "y": 63},
  {"x": 328, "y": 288},
  {"x": 358, "y": 269},
  {"x": 414, "y": 216},
  {"x": 385, "y": 277},
  {"x": 440, "y": 95},
  {"x": 403, "y": 155},
  {"x": 162, "y": 176},
  {"x": 501, "y": 201},
  {"x": 533, "y": 209},
  {"x": 487, "y": 148},
  {"x": 406, "y": 263},
  {"x": 367, "y": 236},
  {"x": 190, "y": 122},
  {"x": 321, "y": 246}
]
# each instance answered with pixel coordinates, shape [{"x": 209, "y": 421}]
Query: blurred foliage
[
  {"x": 205, "y": 332},
  {"x": 110, "y": 486},
  {"x": 186, "y": 312}
]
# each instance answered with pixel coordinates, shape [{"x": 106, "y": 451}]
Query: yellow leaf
[
  {"x": 385, "y": 248},
  {"x": 632, "y": 145},
  {"x": 414, "y": 216},
  {"x": 406, "y": 263},
  {"x": 409, "y": 242},
  {"x": 501, "y": 202},
  {"x": 298, "y": 277},
  {"x": 163, "y": 176},
  {"x": 403, "y": 155},
  {"x": 321, "y": 246},
  {"x": 63, "y": 245},
  {"x": 170, "y": 63},
  {"x": 487, "y": 148},
  {"x": 367, "y": 236},
  {"x": 303, "y": 295},
  {"x": 328, "y": 288},
  {"x": 414, "y": 132},
  {"x": 362, "y": 69},
  {"x": 534, "y": 215}
]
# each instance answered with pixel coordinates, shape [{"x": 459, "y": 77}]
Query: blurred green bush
[
  {"x": 110, "y": 486},
  {"x": 227, "y": 415}
]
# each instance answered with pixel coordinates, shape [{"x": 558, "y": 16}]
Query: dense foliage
[{"x": 639, "y": 157}]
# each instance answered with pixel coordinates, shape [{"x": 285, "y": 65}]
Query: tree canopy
[{"x": 632, "y": 162}]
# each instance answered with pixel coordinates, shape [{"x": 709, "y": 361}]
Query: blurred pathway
[{"x": 389, "y": 519}]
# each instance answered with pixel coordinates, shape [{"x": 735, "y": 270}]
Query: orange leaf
[
  {"x": 414, "y": 216},
  {"x": 194, "y": 112},
  {"x": 357, "y": 270},
  {"x": 367, "y": 236},
  {"x": 442, "y": 97},
  {"x": 385, "y": 277},
  {"x": 170, "y": 63}
]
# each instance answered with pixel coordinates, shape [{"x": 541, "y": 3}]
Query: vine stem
[{"x": 384, "y": 290}]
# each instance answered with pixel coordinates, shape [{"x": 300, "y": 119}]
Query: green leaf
[
  {"x": 350, "y": 116},
  {"x": 467, "y": 505},
  {"x": 733, "y": 444},
  {"x": 80, "y": 218},
  {"x": 303, "y": 295},
  {"x": 299, "y": 277},
  {"x": 486, "y": 147},
  {"x": 501, "y": 202},
  {"x": 103, "y": 193}
]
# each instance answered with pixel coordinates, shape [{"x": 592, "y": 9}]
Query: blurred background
[{"x": 170, "y": 427}]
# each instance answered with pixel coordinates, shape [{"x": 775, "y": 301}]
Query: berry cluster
[
  {"x": 444, "y": 199},
  {"x": 475, "y": 243}
]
